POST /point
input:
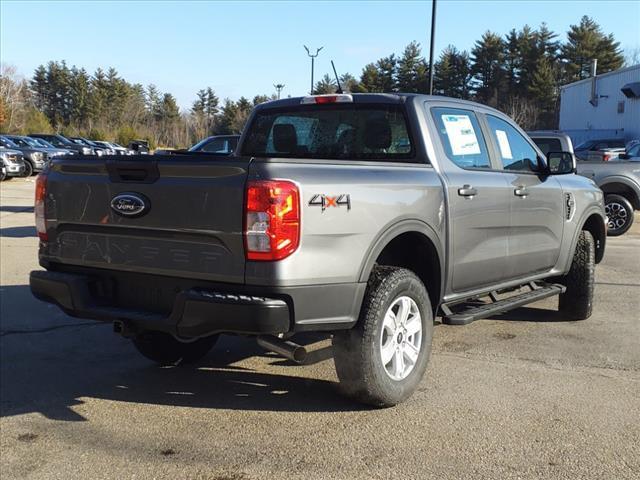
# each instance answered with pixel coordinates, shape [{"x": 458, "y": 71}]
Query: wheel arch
[
  {"x": 594, "y": 224},
  {"x": 624, "y": 187},
  {"x": 414, "y": 245}
]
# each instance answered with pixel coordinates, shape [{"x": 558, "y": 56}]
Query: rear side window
[
  {"x": 516, "y": 153},
  {"x": 461, "y": 137},
  {"x": 615, "y": 144},
  {"x": 349, "y": 132},
  {"x": 548, "y": 145},
  {"x": 217, "y": 145}
]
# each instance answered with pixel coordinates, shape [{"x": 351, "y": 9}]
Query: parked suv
[
  {"x": 63, "y": 142},
  {"x": 619, "y": 180},
  {"x": 34, "y": 158},
  {"x": 362, "y": 215}
]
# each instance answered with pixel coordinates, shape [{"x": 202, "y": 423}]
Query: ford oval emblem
[{"x": 130, "y": 204}]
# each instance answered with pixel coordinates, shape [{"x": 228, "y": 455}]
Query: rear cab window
[
  {"x": 462, "y": 138},
  {"x": 333, "y": 132},
  {"x": 547, "y": 145}
]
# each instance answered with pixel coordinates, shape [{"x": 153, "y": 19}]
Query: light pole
[
  {"x": 279, "y": 87},
  {"x": 313, "y": 57},
  {"x": 433, "y": 36}
]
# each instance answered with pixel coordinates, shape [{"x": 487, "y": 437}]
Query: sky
[{"x": 244, "y": 48}]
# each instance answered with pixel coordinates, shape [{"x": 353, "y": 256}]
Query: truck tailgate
[{"x": 191, "y": 224}]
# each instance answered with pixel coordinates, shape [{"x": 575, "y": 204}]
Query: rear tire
[
  {"x": 577, "y": 302},
  {"x": 165, "y": 349},
  {"x": 382, "y": 359},
  {"x": 620, "y": 214}
]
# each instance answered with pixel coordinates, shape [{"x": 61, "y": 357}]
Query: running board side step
[{"x": 537, "y": 291}]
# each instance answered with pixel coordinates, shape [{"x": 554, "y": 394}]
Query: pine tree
[
  {"x": 38, "y": 86},
  {"x": 211, "y": 106},
  {"x": 586, "y": 42},
  {"x": 369, "y": 79},
  {"x": 349, "y": 83},
  {"x": 488, "y": 73},
  {"x": 325, "y": 85},
  {"x": 411, "y": 76},
  {"x": 452, "y": 73},
  {"x": 79, "y": 89},
  {"x": 387, "y": 68}
]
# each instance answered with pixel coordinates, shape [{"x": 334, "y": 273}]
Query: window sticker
[
  {"x": 462, "y": 136},
  {"x": 503, "y": 142}
]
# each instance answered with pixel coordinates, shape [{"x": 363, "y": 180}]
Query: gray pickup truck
[
  {"x": 618, "y": 179},
  {"x": 364, "y": 216}
]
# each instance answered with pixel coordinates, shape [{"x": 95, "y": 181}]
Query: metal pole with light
[
  {"x": 279, "y": 87},
  {"x": 313, "y": 57},
  {"x": 433, "y": 36}
]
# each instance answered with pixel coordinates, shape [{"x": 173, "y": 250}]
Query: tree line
[{"x": 519, "y": 73}]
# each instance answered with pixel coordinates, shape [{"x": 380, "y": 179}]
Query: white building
[{"x": 604, "y": 106}]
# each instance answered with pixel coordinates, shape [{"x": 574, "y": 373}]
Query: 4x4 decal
[{"x": 327, "y": 201}]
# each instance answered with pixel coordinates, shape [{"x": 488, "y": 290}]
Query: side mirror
[{"x": 561, "y": 163}]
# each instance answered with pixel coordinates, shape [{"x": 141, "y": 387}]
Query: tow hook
[{"x": 286, "y": 348}]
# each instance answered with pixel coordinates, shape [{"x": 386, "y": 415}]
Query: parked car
[
  {"x": 44, "y": 144},
  {"x": 619, "y": 180},
  {"x": 3, "y": 171},
  {"x": 362, "y": 215},
  {"x": 37, "y": 143},
  {"x": 217, "y": 144},
  {"x": 632, "y": 153},
  {"x": 604, "y": 149},
  {"x": 60, "y": 141},
  {"x": 13, "y": 162},
  {"x": 114, "y": 148},
  {"x": 98, "y": 149},
  {"x": 35, "y": 159}
]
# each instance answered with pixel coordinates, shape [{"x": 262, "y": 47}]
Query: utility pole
[
  {"x": 433, "y": 36},
  {"x": 279, "y": 87},
  {"x": 313, "y": 57}
]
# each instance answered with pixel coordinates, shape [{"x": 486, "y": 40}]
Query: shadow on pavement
[
  {"x": 16, "y": 208},
  {"x": 48, "y": 370},
  {"x": 531, "y": 314},
  {"x": 18, "y": 232}
]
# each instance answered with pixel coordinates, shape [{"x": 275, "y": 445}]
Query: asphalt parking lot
[{"x": 523, "y": 395}]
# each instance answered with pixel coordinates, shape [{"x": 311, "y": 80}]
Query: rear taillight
[
  {"x": 272, "y": 219},
  {"x": 41, "y": 193},
  {"x": 606, "y": 157}
]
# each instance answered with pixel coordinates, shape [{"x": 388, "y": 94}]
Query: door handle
[
  {"x": 467, "y": 191},
  {"x": 521, "y": 191}
]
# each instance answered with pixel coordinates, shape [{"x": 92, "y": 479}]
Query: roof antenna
[{"x": 337, "y": 79}]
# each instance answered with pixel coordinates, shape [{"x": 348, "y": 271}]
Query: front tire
[
  {"x": 619, "y": 213},
  {"x": 165, "y": 349},
  {"x": 577, "y": 301},
  {"x": 382, "y": 359},
  {"x": 28, "y": 169}
]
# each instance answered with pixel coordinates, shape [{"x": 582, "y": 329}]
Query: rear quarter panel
[{"x": 336, "y": 242}]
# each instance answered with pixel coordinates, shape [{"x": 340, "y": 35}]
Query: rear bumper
[{"x": 195, "y": 310}]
